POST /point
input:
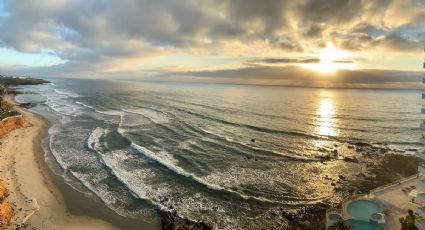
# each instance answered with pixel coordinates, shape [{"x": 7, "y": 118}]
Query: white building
[{"x": 420, "y": 222}]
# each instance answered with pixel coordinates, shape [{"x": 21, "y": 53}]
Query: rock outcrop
[
  {"x": 10, "y": 123},
  {"x": 171, "y": 221}
]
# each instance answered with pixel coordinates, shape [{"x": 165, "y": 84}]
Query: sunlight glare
[
  {"x": 329, "y": 58},
  {"x": 326, "y": 121}
]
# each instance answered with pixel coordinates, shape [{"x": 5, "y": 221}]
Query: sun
[{"x": 330, "y": 60}]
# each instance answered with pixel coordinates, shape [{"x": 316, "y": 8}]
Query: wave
[
  {"x": 139, "y": 192},
  {"x": 55, "y": 154},
  {"x": 287, "y": 156},
  {"x": 152, "y": 114},
  {"x": 66, "y": 93},
  {"x": 230, "y": 110},
  {"x": 93, "y": 141},
  {"x": 85, "y": 105},
  {"x": 115, "y": 168},
  {"x": 201, "y": 132},
  {"x": 166, "y": 160},
  {"x": 252, "y": 127},
  {"x": 61, "y": 102},
  {"x": 110, "y": 112}
]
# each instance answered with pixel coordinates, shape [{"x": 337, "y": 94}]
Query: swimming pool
[
  {"x": 334, "y": 217},
  {"x": 363, "y": 225},
  {"x": 362, "y": 209}
]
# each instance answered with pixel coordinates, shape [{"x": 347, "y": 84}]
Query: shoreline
[{"x": 36, "y": 199}]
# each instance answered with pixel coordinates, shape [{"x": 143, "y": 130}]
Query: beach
[{"x": 37, "y": 202}]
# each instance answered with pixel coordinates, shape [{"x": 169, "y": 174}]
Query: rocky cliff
[{"x": 11, "y": 123}]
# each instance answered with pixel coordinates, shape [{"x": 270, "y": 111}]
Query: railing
[{"x": 387, "y": 186}]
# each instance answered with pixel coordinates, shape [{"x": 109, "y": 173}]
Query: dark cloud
[
  {"x": 286, "y": 60},
  {"x": 315, "y": 30},
  {"x": 397, "y": 42},
  {"x": 330, "y": 11},
  {"x": 297, "y": 76},
  {"x": 392, "y": 42}
]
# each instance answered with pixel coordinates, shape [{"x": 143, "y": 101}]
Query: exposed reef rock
[{"x": 171, "y": 221}]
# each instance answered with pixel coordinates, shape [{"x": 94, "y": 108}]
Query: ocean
[{"x": 233, "y": 156}]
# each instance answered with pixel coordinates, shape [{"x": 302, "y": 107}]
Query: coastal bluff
[
  {"x": 5, "y": 207},
  {"x": 6, "y": 125},
  {"x": 10, "y": 123}
]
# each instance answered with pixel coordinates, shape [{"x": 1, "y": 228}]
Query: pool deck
[
  {"x": 391, "y": 198},
  {"x": 397, "y": 201}
]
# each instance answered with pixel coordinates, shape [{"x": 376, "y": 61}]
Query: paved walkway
[{"x": 397, "y": 201}]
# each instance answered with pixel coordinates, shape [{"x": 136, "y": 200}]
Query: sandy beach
[{"x": 36, "y": 201}]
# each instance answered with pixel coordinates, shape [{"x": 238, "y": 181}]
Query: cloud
[
  {"x": 285, "y": 60},
  {"x": 297, "y": 76},
  {"x": 106, "y": 36}
]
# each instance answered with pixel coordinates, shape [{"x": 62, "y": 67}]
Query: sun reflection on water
[{"x": 325, "y": 121}]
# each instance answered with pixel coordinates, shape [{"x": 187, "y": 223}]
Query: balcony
[
  {"x": 421, "y": 211},
  {"x": 421, "y": 183},
  {"x": 421, "y": 198},
  {"x": 421, "y": 169},
  {"x": 420, "y": 223}
]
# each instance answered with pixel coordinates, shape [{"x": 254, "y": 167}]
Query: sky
[{"x": 318, "y": 43}]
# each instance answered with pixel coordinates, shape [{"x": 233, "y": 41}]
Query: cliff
[
  {"x": 10, "y": 123},
  {"x": 5, "y": 208}
]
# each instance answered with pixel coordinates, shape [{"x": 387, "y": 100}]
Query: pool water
[
  {"x": 362, "y": 209},
  {"x": 334, "y": 217},
  {"x": 363, "y": 225}
]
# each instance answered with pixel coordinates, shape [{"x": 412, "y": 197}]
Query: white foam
[
  {"x": 85, "y": 105},
  {"x": 134, "y": 179},
  {"x": 66, "y": 93},
  {"x": 62, "y": 103},
  {"x": 111, "y": 112},
  {"x": 93, "y": 141},
  {"x": 154, "y": 116}
]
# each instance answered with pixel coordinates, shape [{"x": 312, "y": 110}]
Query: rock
[
  {"x": 27, "y": 105},
  {"x": 171, "y": 221},
  {"x": 362, "y": 144},
  {"x": 306, "y": 223},
  {"x": 353, "y": 160}
]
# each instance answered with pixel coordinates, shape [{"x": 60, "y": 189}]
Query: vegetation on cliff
[
  {"x": 6, "y": 109},
  {"x": 20, "y": 81}
]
